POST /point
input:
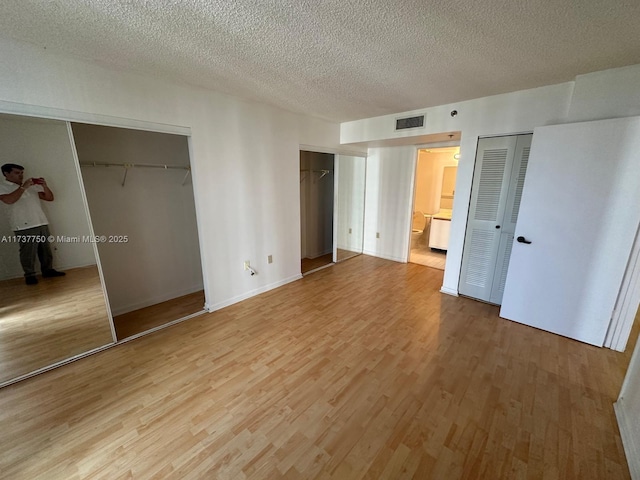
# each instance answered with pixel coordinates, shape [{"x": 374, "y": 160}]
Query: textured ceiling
[{"x": 340, "y": 59}]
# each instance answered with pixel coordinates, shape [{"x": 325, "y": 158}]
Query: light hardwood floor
[{"x": 362, "y": 370}]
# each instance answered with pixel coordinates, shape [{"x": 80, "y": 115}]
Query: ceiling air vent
[{"x": 409, "y": 122}]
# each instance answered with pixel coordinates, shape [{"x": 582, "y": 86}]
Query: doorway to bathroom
[{"x": 434, "y": 190}]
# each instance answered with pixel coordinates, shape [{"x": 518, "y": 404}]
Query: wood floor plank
[{"x": 363, "y": 370}]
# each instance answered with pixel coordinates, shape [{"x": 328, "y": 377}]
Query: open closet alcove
[{"x": 140, "y": 197}]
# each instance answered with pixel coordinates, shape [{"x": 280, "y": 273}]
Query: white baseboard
[
  {"x": 386, "y": 257},
  {"x": 122, "y": 309},
  {"x": 630, "y": 434},
  {"x": 449, "y": 291},
  {"x": 225, "y": 303}
]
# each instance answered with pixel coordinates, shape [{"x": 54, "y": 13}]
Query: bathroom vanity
[{"x": 440, "y": 229}]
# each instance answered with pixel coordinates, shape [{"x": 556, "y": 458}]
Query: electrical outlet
[
  {"x": 246, "y": 265},
  {"x": 377, "y": 234},
  {"x": 270, "y": 259}
]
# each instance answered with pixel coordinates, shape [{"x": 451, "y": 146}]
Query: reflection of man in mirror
[{"x": 28, "y": 221}]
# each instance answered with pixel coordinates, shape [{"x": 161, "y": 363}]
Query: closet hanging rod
[
  {"x": 127, "y": 166},
  {"x": 321, "y": 172},
  {"x": 132, "y": 165}
]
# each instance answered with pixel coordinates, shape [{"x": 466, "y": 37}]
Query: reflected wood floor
[
  {"x": 309, "y": 264},
  {"x": 143, "y": 319},
  {"x": 345, "y": 254},
  {"x": 49, "y": 322},
  {"x": 362, "y": 370}
]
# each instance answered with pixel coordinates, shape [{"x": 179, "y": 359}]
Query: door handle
[{"x": 523, "y": 240}]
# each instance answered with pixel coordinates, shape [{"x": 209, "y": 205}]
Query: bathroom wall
[{"x": 429, "y": 174}]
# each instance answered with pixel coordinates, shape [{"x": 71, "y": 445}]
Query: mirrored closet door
[
  {"x": 53, "y": 318},
  {"x": 350, "y": 185}
]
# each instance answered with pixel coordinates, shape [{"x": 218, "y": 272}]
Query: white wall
[
  {"x": 44, "y": 149},
  {"x": 611, "y": 93},
  {"x": 154, "y": 209},
  {"x": 245, "y": 158}
]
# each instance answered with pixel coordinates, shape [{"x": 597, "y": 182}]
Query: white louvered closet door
[
  {"x": 495, "y": 196},
  {"x": 508, "y": 225}
]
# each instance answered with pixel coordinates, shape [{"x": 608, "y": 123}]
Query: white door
[
  {"x": 580, "y": 210},
  {"x": 510, "y": 217}
]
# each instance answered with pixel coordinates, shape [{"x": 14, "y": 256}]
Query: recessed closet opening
[
  {"x": 316, "y": 210},
  {"x": 140, "y": 196},
  {"x": 434, "y": 189}
]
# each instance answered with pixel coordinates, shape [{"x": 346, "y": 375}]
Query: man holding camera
[{"x": 27, "y": 220}]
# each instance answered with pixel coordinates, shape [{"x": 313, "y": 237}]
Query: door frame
[{"x": 414, "y": 175}]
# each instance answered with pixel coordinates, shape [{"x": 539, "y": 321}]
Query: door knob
[{"x": 523, "y": 240}]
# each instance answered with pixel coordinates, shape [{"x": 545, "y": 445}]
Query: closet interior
[
  {"x": 140, "y": 198},
  {"x": 316, "y": 210}
]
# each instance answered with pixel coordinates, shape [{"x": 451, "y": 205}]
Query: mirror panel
[
  {"x": 351, "y": 172},
  {"x": 61, "y": 317}
]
